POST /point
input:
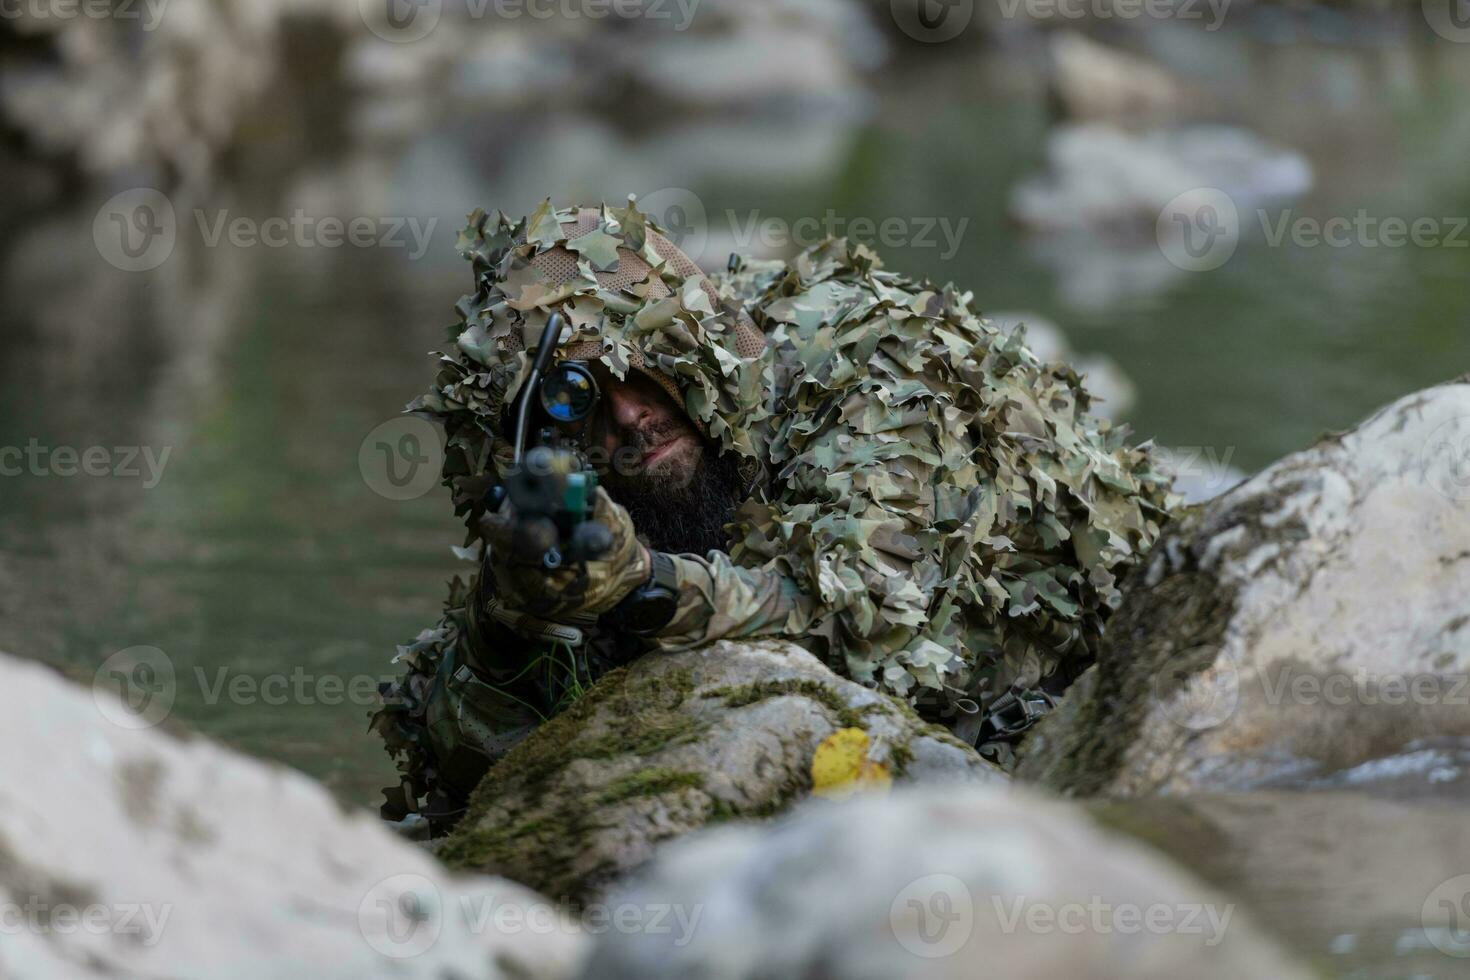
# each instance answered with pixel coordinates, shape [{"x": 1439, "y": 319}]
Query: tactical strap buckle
[{"x": 1013, "y": 713}]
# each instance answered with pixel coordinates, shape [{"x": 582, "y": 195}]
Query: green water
[{"x": 262, "y": 552}]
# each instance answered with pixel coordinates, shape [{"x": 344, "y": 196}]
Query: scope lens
[{"x": 569, "y": 392}]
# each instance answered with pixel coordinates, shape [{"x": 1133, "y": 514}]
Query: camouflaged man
[{"x": 816, "y": 449}]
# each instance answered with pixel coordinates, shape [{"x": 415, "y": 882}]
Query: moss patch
[
  {"x": 744, "y": 694},
  {"x": 535, "y": 839},
  {"x": 649, "y": 782}
]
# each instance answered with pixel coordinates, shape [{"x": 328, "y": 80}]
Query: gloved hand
[{"x": 573, "y": 591}]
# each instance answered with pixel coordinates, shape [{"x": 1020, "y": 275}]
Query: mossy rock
[
  {"x": 1308, "y": 622},
  {"x": 674, "y": 742}
]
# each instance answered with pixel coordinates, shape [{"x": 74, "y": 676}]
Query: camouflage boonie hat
[{"x": 631, "y": 299}]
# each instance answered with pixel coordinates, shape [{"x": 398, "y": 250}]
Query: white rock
[
  {"x": 1307, "y": 622},
  {"x": 1092, "y": 81},
  {"x": 1109, "y": 180},
  {"x": 180, "y": 858},
  {"x": 947, "y": 882}
]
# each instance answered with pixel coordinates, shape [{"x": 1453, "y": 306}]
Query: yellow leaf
[{"x": 841, "y": 767}]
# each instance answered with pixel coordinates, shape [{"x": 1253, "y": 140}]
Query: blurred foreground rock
[
  {"x": 1354, "y": 883},
  {"x": 1308, "y": 628},
  {"x": 952, "y": 882},
  {"x": 674, "y": 742},
  {"x": 129, "y": 852}
]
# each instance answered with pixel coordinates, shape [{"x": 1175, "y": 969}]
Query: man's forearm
[{"x": 719, "y": 600}]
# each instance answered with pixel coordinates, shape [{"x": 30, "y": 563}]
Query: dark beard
[{"x": 692, "y": 518}]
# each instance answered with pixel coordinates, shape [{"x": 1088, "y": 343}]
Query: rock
[
  {"x": 671, "y": 743},
  {"x": 1113, "y": 391},
  {"x": 932, "y": 883},
  {"x": 739, "y": 52},
  {"x": 156, "y": 92},
  {"x": 129, "y": 851},
  {"x": 1352, "y": 884},
  {"x": 1110, "y": 181},
  {"x": 1308, "y": 622},
  {"x": 1092, "y": 82}
]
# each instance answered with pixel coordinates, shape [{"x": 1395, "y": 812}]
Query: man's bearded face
[{"x": 678, "y": 487}]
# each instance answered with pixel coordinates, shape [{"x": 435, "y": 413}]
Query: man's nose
[{"x": 627, "y": 409}]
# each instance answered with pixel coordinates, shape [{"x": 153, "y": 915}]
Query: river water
[{"x": 275, "y": 580}]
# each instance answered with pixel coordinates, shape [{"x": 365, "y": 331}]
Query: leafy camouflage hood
[
  {"x": 631, "y": 299},
  {"x": 961, "y": 514}
]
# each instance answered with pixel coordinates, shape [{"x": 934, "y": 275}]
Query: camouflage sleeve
[{"x": 719, "y": 600}]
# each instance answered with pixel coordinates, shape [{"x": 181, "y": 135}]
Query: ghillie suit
[{"x": 932, "y": 510}]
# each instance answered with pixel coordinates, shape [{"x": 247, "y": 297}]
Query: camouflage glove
[{"x": 579, "y": 591}]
